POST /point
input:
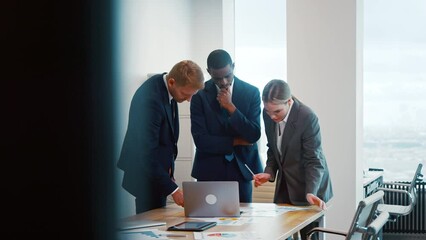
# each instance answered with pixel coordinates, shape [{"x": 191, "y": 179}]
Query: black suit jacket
[
  {"x": 150, "y": 145},
  {"x": 302, "y": 164}
]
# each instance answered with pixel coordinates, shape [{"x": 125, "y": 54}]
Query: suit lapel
[
  {"x": 289, "y": 129},
  {"x": 167, "y": 107},
  {"x": 211, "y": 93},
  {"x": 276, "y": 152},
  {"x": 237, "y": 93},
  {"x": 270, "y": 127},
  {"x": 287, "y": 135}
]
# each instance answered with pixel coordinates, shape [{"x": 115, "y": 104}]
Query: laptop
[
  {"x": 211, "y": 199},
  {"x": 141, "y": 223}
]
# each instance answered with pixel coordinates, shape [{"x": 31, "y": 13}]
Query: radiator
[{"x": 414, "y": 223}]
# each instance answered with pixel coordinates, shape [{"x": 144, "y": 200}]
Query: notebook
[
  {"x": 142, "y": 223},
  {"x": 211, "y": 199}
]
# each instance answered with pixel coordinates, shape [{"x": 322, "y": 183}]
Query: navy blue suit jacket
[
  {"x": 149, "y": 148},
  {"x": 213, "y": 132}
]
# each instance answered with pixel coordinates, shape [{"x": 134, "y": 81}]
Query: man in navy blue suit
[
  {"x": 150, "y": 145},
  {"x": 225, "y": 125}
]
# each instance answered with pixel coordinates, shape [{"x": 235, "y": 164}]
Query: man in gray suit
[{"x": 295, "y": 157}]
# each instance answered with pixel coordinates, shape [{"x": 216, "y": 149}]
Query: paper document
[
  {"x": 226, "y": 235},
  {"x": 148, "y": 234},
  {"x": 269, "y": 211},
  {"x": 228, "y": 221}
]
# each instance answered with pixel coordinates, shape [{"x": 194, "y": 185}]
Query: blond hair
[{"x": 187, "y": 72}]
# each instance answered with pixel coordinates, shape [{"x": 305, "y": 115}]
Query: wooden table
[{"x": 267, "y": 227}]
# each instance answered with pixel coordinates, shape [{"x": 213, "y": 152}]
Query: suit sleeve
[
  {"x": 204, "y": 140},
  {"x": 271, "y": 163},
  {"x": 248, "y": 125},
  {"x": 149, "y": 151},
  {"x": 314, "y": 160}
]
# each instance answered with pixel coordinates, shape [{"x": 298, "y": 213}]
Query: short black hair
[{"x": 219, "y": 58}]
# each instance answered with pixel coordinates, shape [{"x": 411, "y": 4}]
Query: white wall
[
  {"x": 323, "y": 71},
  {"x": 212, "y": 28}
]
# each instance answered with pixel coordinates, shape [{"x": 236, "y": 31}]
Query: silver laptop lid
[
  {"x": 141, "y": 223},
  {"x": 211, "y": 199}
]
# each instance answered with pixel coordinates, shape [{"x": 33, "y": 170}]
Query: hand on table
[
  {"x": 178, "y": 197},
  {"x": 314, "y": 200}
]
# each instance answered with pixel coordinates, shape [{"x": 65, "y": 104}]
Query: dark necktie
[
  {"x": 173, "y": 106},
  {"x": 279, "y": 129},
  {"x": 175, "y": 120},
  {"x": 228, "y": 157}
]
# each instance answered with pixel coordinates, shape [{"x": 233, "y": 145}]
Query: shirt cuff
[{"x": 174, "y": 191}]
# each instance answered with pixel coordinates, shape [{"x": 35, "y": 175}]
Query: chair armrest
[
  {"x": 394, "y": 190},
  {"x": 411, "y": 197},
  {"x": 325, "y": 230},
  {"x": 378, "y": 223}
]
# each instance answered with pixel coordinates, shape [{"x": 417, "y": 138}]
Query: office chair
[
  {"x": 364, "y": 224},
  {"x": 394, "y": 210}
]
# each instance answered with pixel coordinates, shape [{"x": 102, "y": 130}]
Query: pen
[{"x": 252, "y": 173}]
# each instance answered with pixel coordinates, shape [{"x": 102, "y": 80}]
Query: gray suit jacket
[{"x": 302, "y": 166}]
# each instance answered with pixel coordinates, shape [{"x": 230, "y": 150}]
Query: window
[
  {"x": 395, "y": 86},
  {"x": 260, "y": 46}
]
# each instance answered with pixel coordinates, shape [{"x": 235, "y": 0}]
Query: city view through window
[{"x": 395, "y": 86}]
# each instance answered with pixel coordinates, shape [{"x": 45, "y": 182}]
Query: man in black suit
[{"x": 150, "y": 145}]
